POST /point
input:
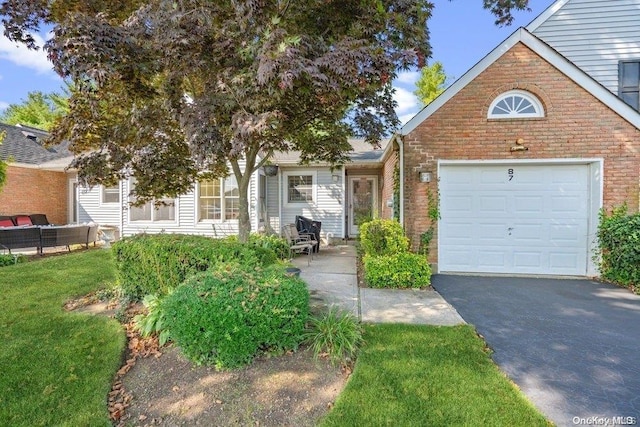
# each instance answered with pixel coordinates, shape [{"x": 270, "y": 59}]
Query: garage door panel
[
  {"x": 528, "y": 234},
  {"x": 574, "y": 204},
  {"x": 492, "y": 259},
  {"x": 527, "y": 260},
  {"x": 519, "y": 218},
  {"x": 528, "y": 204},
  {"x": 570, "y": 177},
  {"x": 459, "y": 233},
  {"x": 492, "y": 204},
  {"x": 459, "y": 205},
  {"x": 568, "y": 234},
  {"x": 565, "y": 261},
  {"x": 458, "y": 257},
  {"x": 491, "y": 233}
]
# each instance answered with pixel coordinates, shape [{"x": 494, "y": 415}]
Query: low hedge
[
  {"x": 619, "y": 240},
  {"x": 401, "y": 270},
  {"x": 156, "y": 263},
  {"x": 225, "y": 316},
  {"x": 276, "y": 243},
  {"x": 382, "y": 237}
]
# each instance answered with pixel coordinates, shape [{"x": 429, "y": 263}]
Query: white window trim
[
  {"x": 222, "y": 207},
  {"x": 103, "y": 203},
  {"x": 537, "y": 105},
  {"x": 176, "y": 201},
  {"x": 314, "y": 187}
]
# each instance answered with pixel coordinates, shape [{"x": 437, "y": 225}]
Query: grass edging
[{"x": 429, "y": 375}]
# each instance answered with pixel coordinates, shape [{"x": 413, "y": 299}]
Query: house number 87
[{"x": 510, "y": 173}]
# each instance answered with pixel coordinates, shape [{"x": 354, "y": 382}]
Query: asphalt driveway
[{"x": 572, "y": 346}]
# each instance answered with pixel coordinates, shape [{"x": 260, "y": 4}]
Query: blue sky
[{"x": 462, "y": 33}]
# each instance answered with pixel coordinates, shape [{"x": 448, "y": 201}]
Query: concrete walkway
[{"x": 332, "y": 279}]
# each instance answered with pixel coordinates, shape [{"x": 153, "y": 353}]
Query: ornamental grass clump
[
  {"x": 226, "y": 316},
  {"x": 336, "y": 333}
]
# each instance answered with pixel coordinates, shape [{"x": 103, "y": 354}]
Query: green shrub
[
  {"x": 383, "y": 237},
  {"x": 336, "y": 333},
  {"x": 154, "y": 264},
  {"x": 401, "y": 270},
  {"x": 276, "y": 243},
  {"x": 6, "y": 259},
  {"x": 619, "y": 240},
  {"x": 226, "y": 315}
]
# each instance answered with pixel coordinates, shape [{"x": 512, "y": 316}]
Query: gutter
[{"x": 400, "y": 142}]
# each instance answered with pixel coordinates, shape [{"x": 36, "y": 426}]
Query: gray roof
[
  {"x": 362, "y": 152},
  {"x": 24, "y": 144}
]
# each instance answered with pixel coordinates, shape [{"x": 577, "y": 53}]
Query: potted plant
[{"x": 270, "y": 169}]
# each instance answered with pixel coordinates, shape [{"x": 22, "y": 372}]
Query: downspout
[{"x": 398, "y": 139}]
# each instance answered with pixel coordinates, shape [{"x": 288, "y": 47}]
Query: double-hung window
[
  {"x": 110, "y": 195},
  {"x": 219, "y": 199},
  {"x": 156, "y": 210},
  {"x": 629, "y": 82},
  {"x": 299, "y": 188}
]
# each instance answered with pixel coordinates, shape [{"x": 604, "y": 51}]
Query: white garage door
[{"x": 515, "y": 218}]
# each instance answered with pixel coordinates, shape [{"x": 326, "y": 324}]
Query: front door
[{"x": 363, "y": 192}]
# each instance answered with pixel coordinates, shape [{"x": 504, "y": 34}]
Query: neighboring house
[
  {"x": 526, "y": 147},
  {"x": 339, "y": 199},
  {"x": 36, "y": 177}
]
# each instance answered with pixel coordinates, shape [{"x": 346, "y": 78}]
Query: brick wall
[
  {"x": 576, "y": 125},
  {"x": 29, "y": 191}
]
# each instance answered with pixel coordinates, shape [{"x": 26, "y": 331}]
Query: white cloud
[
  {"x": 406, "y": 117},
  {"x": 3, "y": 105},
  {"x": 406, "y": 100},
  {"x": 407, "y": 77},
  {"x": 21, "y": 56}
]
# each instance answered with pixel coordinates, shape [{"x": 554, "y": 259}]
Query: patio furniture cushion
[
  {"x": 22, "y": 220},
  {"x": 6, "y": 222},
  {"x": 39, "y": 219}
]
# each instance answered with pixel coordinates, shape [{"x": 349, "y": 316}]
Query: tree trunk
[{"x": 244, "y": 219}]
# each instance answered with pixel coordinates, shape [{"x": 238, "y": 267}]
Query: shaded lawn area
[
  {"x": 57, "y": 367},
  {"x": 408, "y": 375}
]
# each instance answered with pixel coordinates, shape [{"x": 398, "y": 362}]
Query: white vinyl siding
[
  {"x": 91, "y": 208},
  {"x": 595, "y": 35},
  {"x": 327, "y": 204},
  {"x": 187, "y": 220}
]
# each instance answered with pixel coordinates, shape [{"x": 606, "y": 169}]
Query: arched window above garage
[{"x": 515, "y": 104}]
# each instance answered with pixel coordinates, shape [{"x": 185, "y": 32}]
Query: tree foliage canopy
[
  {"x": 167, "y": 89},
  {"x": 39, "y": 110},
  {"x": 432, "y": 82}
]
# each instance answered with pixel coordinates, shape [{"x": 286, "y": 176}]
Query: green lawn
[
  {"x": 409, "y": 375},
  {"x": 57, "y": 367}
]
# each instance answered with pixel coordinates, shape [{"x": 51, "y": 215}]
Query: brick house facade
[
  {"x": 37, "y": 182},
  {"x": 24, "y": 193},
  {"x": 578, "y": 123}
]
